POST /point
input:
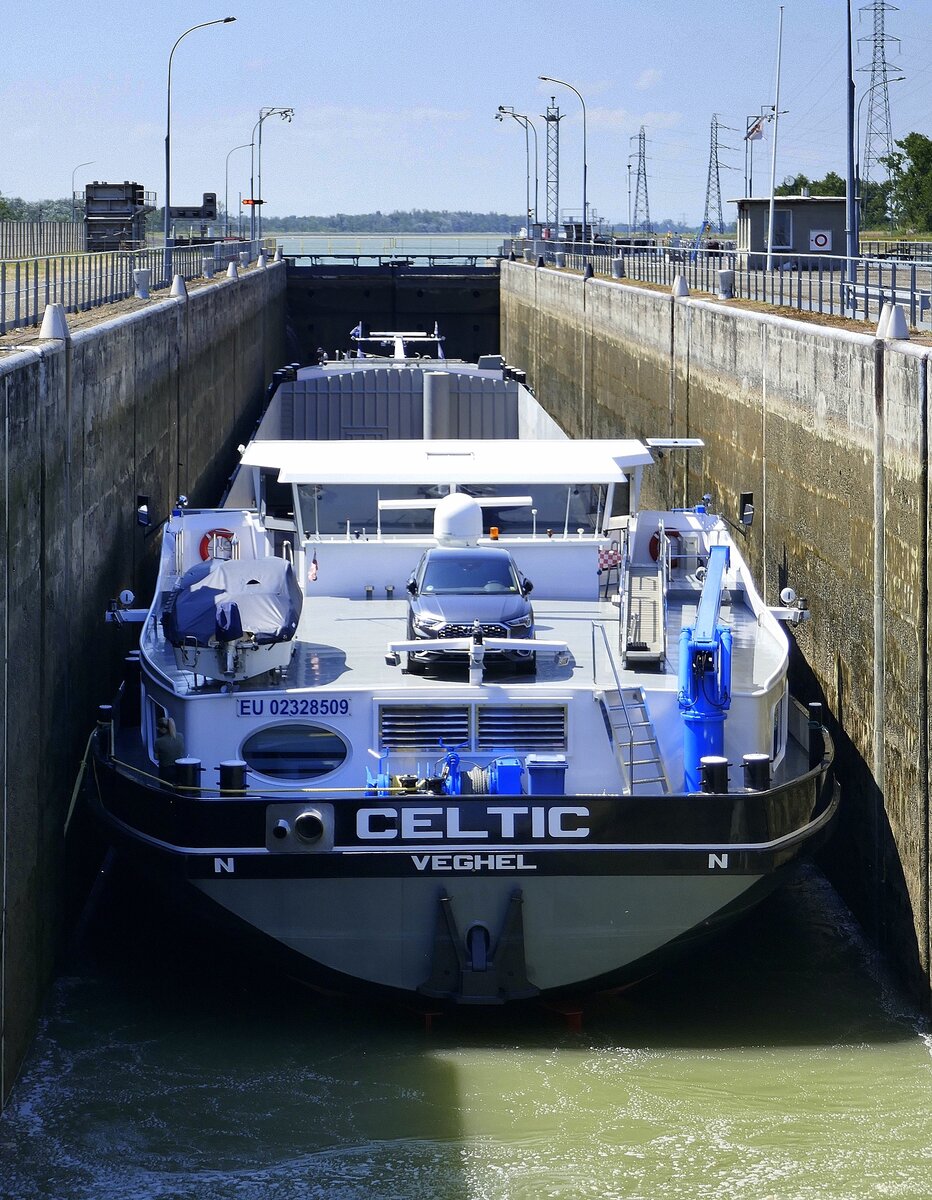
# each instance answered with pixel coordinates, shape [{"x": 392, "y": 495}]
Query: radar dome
[{"x": 457, "y": 521}]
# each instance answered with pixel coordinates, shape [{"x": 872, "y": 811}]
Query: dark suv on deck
[{"x": 453, "y": 587}]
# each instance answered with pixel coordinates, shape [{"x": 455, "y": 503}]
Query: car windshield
[{"x": 469, "y": 575}]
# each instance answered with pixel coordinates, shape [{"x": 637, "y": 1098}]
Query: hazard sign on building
[{"x": 820, "y": 241}]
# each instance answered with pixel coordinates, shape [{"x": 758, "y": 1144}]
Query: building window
[{"x": 782, "y": 229}]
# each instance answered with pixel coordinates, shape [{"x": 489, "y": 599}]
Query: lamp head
[{"x": 227, "y": 20}]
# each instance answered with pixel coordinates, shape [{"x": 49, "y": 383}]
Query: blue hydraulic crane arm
[
  {"x": 704, "y": 695},
  {"x": 711, "y": 599}
]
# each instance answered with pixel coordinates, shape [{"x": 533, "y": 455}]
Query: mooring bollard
[
  {"x": 188, "y": 775},
  {"x": 559, "y": 258},
  {"x": 756, "y": 772},
  {"x": 618, "y": 268},
  {"x": 141, "y": 278},
  {"x": 726, "y": 285},
  {"x": 207, "y": 267},
  {"x": 713, "y": 774},
  {"x": 105, "y": 729},
  {"x": 244, "y": 258},
  {"x": 233, "y": 775}
]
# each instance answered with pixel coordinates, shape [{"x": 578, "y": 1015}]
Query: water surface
[{"x": 779, "y": 1064}]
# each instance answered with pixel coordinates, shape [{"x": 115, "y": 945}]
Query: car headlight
[
  {"x": 426, "y": 624},
  {"x": 524, "y": 622}
]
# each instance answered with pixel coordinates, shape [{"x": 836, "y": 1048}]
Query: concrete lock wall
[
  {"x": 829, "y": 430},
  {"x": 151, "y": 403}
]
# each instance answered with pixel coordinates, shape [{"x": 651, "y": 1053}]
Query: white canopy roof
[{"x": 499, "y": 461}]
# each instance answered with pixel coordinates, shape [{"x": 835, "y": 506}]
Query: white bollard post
[
  {"x": 141, "y": 278},
  {"x": 179, "y": 287},
  {"x": 207, "y": 266},
  {"x": 278, "y": 254},
  {"x": 54, "y": 323},
  {"x": 244, "y": 258},
  {"x": 884, "y": 322},
  {"x": 680, "y": 287},
  {"x": 262, "y": 261},
  {"x": 232, "y": 271},
  {"x": 618, "y": 268},
  {"x": 726, "y": 285},
  {"x": 897, "y": 328}
]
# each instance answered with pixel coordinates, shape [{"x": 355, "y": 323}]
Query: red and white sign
[{"x": 820, "y": 241}]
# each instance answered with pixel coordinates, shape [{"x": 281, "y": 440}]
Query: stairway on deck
[
  {"x": 635, "y": 741},
  {"x": 644, "y": 642}
]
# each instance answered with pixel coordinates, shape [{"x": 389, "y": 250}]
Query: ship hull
[{"x": 480, "y": 917}]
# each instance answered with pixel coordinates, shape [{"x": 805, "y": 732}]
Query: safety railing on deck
[{"x": 84, "y": 281}]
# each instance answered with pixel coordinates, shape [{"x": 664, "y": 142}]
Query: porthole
[{"x": 294, "y": 751}]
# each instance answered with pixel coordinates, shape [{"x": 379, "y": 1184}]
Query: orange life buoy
[
  {"x": 654, "y": 546},
  {"x": 209, "y": 537}
]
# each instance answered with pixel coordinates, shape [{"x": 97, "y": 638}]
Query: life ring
[
  {"x": 654, "y": 545},
  {"x": 209, "y": 537}
]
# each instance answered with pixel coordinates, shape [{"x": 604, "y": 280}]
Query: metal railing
[
  {"x": 84, "y": 281},
  {"x": 19, "y": 239},
  {"x": 806, "y": 282}
]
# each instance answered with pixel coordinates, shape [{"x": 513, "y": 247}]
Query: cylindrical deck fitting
[
  {"x": 131, "y": 699},
  {"x": 756, "y": 772},
  {"x": 233, "y": 775},
  {"x": 713, "y": 775},
  {"x": 188, "y": 775},
  {"x": 105, "y": 728}
]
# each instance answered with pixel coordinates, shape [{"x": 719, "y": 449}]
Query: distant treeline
[
  {"x": 12, "y": 208},
  {"x": 418, "y": 220}
]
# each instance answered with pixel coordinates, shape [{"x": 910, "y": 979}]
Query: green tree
[
  {"x": 910, "y": 169},
  {"x": 794, "y": 185}
]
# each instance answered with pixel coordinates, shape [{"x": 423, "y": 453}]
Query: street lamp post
[
  {"x": 73, "y": 173},
  {"x": 286, "y": 114},
  {"x": 167, "y": 262},
  {"x": 630, "y": 229},
  {"x": 563, "y": 83},
  {"x": 505, "y": 110},
  {"x": 226, "y": 189}
]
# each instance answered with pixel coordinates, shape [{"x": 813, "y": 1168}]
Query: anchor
[{"x": 463, "y": 968}]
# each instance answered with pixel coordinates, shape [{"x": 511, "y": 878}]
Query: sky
[{"x": 395, "y": 100}]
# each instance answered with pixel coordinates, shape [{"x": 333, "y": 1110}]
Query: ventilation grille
[
  {"x": 418, "y": 727},
  {"x": 527, "y": 727},
  {"x": 466, "y": 630}
]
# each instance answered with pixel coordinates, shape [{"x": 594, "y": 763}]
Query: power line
[
  {"x": 641, "y": 218},
  {"x": 878, "y": 138},
  {"x": 713, "y": 187}
]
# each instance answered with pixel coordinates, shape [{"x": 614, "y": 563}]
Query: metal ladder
[{"x": 635, "y": 741}]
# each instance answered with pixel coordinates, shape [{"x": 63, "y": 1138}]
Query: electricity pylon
[
  {"x": 641, "y": 218},
  {"x": 553, "y": 118}
]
